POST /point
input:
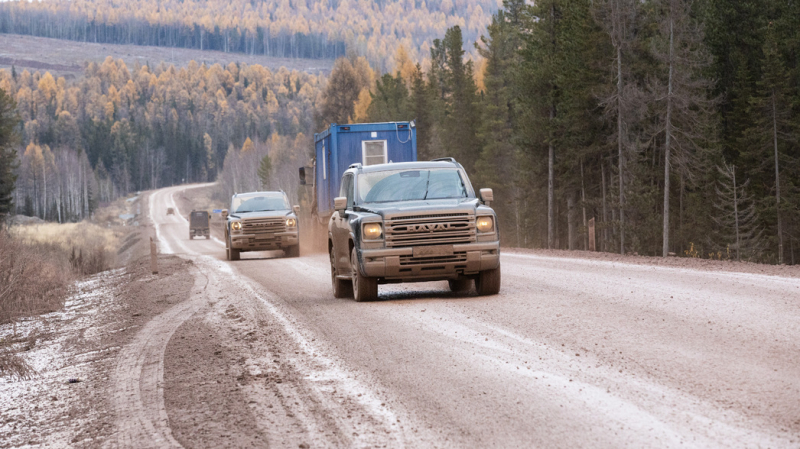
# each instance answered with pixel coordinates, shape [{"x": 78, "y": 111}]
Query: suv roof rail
[
  {"x": 356, "y": 165},
  {"x": 445, "y": 159}
]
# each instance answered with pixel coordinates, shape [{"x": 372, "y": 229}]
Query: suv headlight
[
  {"x": 291, "y": 222},
  {"x": 485, "y": 224},
  {"x": 236, "y": 225},
  {"x": 372, "y": 231}
]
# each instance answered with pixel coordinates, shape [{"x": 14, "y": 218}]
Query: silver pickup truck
[
  {"x": 412, "y": 222},
  {"x": 261, "y": 221}
]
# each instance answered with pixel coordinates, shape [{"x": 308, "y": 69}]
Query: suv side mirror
[
  {"x": 340, "y": 203},
  {"x": 487, "y": 196},
  {"x": 296, "y": 209},
  {"x": 224, "y": 213}
]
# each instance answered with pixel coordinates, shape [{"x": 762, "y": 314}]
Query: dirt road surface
[
  {"x": 572, "y": 353},
  {"x": 576, "y": 351}
]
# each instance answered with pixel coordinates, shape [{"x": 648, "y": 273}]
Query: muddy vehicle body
[
  {"x": 412, "y": 222},
  {"x": 261, "y": 221},
  {"x": 198, "y": 224}
]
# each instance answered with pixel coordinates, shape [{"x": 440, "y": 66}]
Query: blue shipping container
[{"x": 340, "y": 146}]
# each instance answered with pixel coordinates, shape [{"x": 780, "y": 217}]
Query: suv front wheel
[
  {"x": 233, "y": 254},
  {"x": 341, "y": 288},
  {"x": 488, "y": 282},
  {"x": 364, "y": 288}
]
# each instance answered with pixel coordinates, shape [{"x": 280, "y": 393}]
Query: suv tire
[
  {"x": 233, "y": 254},
  {"x": 488, "y": 282},
  {"x": 292, "y": 251},
  {"x": 341, "y": 288},
  {"x": 460, "y": 285},
  {"x": 364, "y": 288}
]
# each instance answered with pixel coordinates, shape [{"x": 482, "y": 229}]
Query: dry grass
[
  {"x": 38, "y": 264},
  {"x": 34, "y": 277},
  {"x": 88, "y": 247}
]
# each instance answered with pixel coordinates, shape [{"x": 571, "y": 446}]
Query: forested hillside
[
  {"x": 120, "y": 130},
  {"x": 300, "y": 29},
  {"x": 674, "y": 123}
]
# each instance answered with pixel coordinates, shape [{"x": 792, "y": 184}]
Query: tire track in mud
[
  {"x": 138, "y": 379},
  {"x": 294, "y": 386},
  {"x": 295, "y": 390}
]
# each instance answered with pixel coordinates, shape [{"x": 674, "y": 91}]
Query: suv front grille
[
  {"x": 263, "y": 225},
  {"x": 439, "y": 229}
]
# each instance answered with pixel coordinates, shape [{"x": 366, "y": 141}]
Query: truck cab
[{"x": 412, "y": 222}]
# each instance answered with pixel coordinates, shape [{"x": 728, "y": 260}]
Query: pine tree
[
  {"x": 497, "y": 163},
  {"x": 265, "y": 172},
  {"x": 8, "y": 154},
  {"x": 764, "y": 145},
  {"x": 736, "y": 217},
  {"x": 684, "y": 112}
]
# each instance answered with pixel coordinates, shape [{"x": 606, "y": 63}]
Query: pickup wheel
[
  {"x": 460, "y": 285},
  {"x": 341, "y": 288},
  {"x": 364, "y": 288},
  {"x": 292, "y": 251},
  {"x": 488, "y": 282},
  {"x": 233, "y": 254}
]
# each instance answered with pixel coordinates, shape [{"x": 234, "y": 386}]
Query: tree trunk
[
  {"x": 570, "y": 222},
  {"x": 665, "y": 246},
  {"x": 550, "y": 176},
  {"x": 621, "y": 152},
  {"x": 777, "y": 178},
  {"x": 736, "y": 213},
  {"x": 583, "y": 207},
  {"x": 605, "y": 207}
]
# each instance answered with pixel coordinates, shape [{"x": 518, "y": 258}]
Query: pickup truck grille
[
  {"x": 262, "y": 225},
  {"x": 420, "y": 230}
]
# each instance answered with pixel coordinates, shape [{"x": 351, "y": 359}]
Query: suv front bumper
[
  {"x": 264, "y": 242},
  {"x": 400, "y": 263}
]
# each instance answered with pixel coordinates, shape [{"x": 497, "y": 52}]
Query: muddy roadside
[{"x": 74, "y": 351}]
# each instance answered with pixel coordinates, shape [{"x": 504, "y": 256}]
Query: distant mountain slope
[{"x": 283, "y": 28}]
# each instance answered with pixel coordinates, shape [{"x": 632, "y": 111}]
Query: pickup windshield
[
  {"x": 258, "y": 204},
  {"x": 409, "y": 185}
]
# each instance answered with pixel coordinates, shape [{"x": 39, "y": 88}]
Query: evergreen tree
[
  {"x": 390, "y": 100},
  {"x": 766, "y": 143},
  {"x": 8, "y": 154},
  {"x": 460, "y": 121},
  {"x": 497, "y": 163},
  {"x": 265, "y": 172},
  {"x": 737, "y": 220},
  {"x": 420, "y": 101}
]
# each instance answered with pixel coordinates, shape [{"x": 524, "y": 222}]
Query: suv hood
[
  {"x": 266, "y": 214},
  {"x": 423, "y": 207}
]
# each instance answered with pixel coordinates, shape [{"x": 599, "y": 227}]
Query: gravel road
[{"x": 574, "y": 352}]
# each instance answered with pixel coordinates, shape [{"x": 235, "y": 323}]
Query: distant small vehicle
[
  {"x": 198, "y": 224},
  {"x": 170, "y": 211},
  {"x": 261, "y": 221}
]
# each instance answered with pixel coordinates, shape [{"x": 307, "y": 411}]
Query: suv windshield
[
  {"x": 258, "y": 204},
  {"x": 408, "y": 185}
]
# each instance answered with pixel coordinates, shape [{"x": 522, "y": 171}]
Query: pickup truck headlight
[
  {"x": 372, "y": 231},
  {"x": 485, "y": 224},
  {"x": 236, "y": 225},
  {"x": 291, "y": 222}
]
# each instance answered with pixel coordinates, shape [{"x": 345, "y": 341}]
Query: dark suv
[
  {"x": 412, "y": 222},
  {"x": 261, "y": 221}
]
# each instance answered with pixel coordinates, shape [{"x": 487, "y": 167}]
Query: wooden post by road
[
  {"x": 153, "y": 258},
  {"x": 592, "y": 246}
]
